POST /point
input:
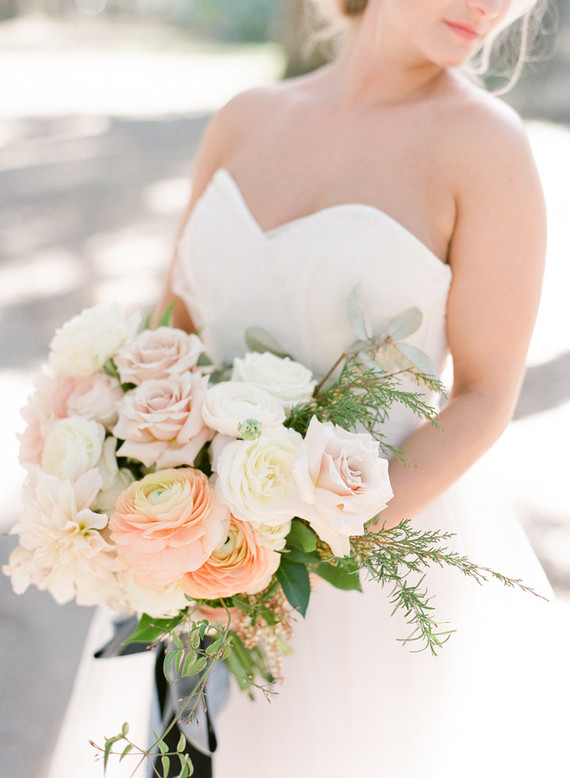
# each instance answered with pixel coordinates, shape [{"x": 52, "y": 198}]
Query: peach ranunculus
[
  {"x": 167, "y": 524},
  {"x": 240, "y": 565},
  {"x": 342, "y": 482},
  {"x": 161, "y": 422},
  {"x": 157, "y": 354}
]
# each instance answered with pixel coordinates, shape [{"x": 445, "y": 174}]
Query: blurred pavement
[{"x": 99, "y": 127}]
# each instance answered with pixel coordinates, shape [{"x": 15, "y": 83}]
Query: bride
[{"x": 390, "y": 168}]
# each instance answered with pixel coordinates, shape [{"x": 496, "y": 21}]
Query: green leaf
[
  {"x": 339, "y": 577},
  {"x": 149, "y": 629},
  {"x": 258, "y": 339},
  {"x": 181, "y": 742},
  {"x": 190, "y": 659},
  {"x": 125, "y": 751},
  {"x": 166, "y": 318},
  {"x": 294, "y": 580},
  {"x": 404, "y": 324},
  {"x": 195, "y": 640},
  {"x": 165, "y": 761},
  {"x": 301, "y": 557},
  {"x": 198, "y": 666},
  {"x": 178, "y": 661},
  {"x": 162, "y": 747},
  {"x": 214, "y": 647},
  {"x": 125, "y": 729},
  {"x": 301, "y": 536},
  {"x": 167, "y": 662},
  {"x": 177, "y": 640},
  {"x": 359, "y": 314},
  {"x": 418, "y": 359}
]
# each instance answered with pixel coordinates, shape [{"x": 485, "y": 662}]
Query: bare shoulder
[
  {"x": 486, "y": 141},
  {"x": 254, "y": 106}
]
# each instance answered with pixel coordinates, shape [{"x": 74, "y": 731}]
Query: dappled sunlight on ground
[{"x": 96, "y": 147}]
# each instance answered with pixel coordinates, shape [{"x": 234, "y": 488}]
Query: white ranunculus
[
  {"x": 283, "y": 378},
  {"x": 72, "y": 446},
  {"x": 160, "y": 605},
  {"x": 230, "y": 403},
  {"x": 342, "y": 482},
  {"x": 83, "y": 345},
  {"x": 255, "y": 478},
  {"x": 62, "y": 549},
  {"x": 273, "y": 535}
]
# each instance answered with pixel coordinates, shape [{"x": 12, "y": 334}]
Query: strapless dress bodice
[{"x": 294, "y": 281}]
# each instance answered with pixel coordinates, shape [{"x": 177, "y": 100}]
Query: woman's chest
[{"x": 288, "y": 169}]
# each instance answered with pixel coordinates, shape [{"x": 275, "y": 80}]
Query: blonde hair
[{"x": 503, "y": 54}]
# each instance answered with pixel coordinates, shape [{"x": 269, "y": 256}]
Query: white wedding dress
[{"x": 355, "y": 701}]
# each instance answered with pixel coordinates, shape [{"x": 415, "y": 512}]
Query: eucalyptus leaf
[
  {"x": 418, "y": 359},
  {"x": 404, "y": 324},
  {"x": 370, "y": 364},
  {"x": 294, "y": 580},
  {"x": 359, "y": 314},
  {"x": 257, "y": 339}
]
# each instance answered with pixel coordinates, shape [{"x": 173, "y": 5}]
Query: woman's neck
[{"x": 374, "y": 68}]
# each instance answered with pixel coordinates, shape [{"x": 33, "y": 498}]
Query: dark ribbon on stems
[{"x": 199, "y": 728}]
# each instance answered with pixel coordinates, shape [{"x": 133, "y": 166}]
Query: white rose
[
  {"x": 342, "y": 481},
  {"x": 230, "y": 403},
  {"x": 157, "y": 354},
  {"x": 255, "y": 478},
  {"x": 273, "y": 535},
  {"x": 285, "y": 379},
  {"x": 114, "y": 479},
  {"x": 83, "y": 345},
  {"x": 72, "y": 446},
  {"x": 160, "y": 605},
  {"x": 96, "y": 397}
]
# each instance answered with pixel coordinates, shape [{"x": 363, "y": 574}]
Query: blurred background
[{"x": 102, "y": 104}]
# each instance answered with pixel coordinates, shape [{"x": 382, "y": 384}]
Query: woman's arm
[
  {"x": 497, "y": 257},
  {"x": 221, "y": 135}
]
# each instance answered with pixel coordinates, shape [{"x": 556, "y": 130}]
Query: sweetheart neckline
[{"x": 223, "y": 173}]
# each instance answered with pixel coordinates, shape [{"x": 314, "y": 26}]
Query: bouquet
[{"x": 205, "y": 499}]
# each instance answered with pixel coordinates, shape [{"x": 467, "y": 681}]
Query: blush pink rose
[
  {"x": 47, "y": 404},
  {"x": 161, "y": 421},
  {"x": 240, "y": 565},
  {"x": 167, "y": 524},
  {"x": 342, "y": 482},
  {"x": 158, "y": 354},
  {"x": 96, "y": 397}
]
